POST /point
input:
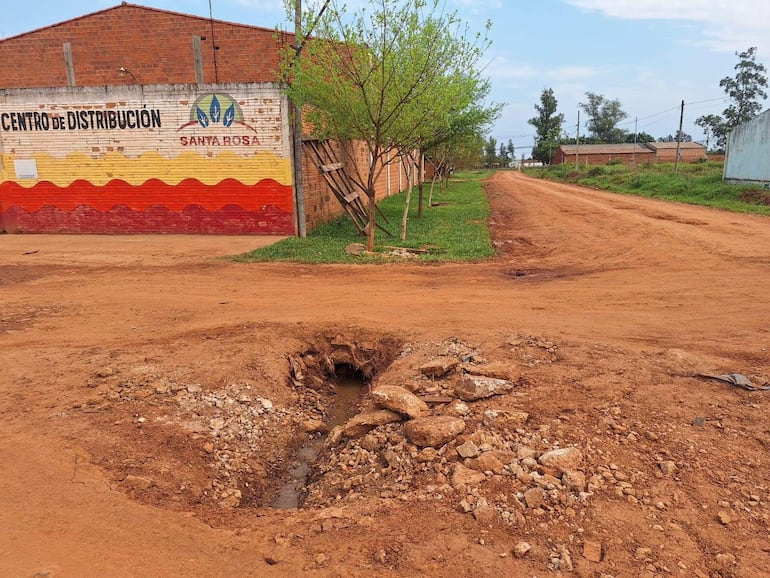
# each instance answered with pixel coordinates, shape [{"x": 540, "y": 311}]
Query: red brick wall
[
  {"x": 604, "y": 158},
  {"x": 685, "y": 155},
  {"x": 154, "y": 45}
]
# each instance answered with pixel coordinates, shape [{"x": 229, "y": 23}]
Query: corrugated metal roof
[{"x": 606, "y": 149}]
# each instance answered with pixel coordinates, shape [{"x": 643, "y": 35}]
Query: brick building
[
  {"x": 628, "y": 153},
  {"x": 134, "y": 119},
  {"x": 689, "y": 152}
]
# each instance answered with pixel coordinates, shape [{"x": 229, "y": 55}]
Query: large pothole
[{"x": 424, "y": 422}]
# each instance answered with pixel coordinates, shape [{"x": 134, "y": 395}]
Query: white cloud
[
  {"x": 728, "y": 25},
  {"x": 501, "y": 68}
]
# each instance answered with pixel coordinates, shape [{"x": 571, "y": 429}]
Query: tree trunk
[
  {"x": 405, "y": 217},
  {"x": 420, "y": 179},
  {"x": 372, "y": 216},
  {"x": 408, "y": 199},
  {"x": 430, "y": 194}
]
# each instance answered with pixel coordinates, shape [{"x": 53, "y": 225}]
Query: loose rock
[
  {"x": 520, "y": 550},
  {"x": 468, "y": 450},
  {"x": 433, "y": 431},
  {"x": 496, "y": 370},
  {"x": 463, "y": 477},
  {"x": 364, "y": 422},
  {"x": 474, "y": 387},
  {"x": 592, "y": 551},
  {"x": 355, "y": 249},
  {"x": 667, "y": 468},
  {"x": 138, "y": 482},
  {"x": 400, "y": 400},
  {"x": 498, "y": 418},
  {"x": 230, "y": 498},
  {"x": 724, "y": 518},
  {"x": 534, "y": 497},
  {"x": 562, "y": 459},
  {"x": 574, "y": 480},
  {"x": 438, "y": 367}
]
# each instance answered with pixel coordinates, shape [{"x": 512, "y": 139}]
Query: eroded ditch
[
  {"x": 349, "y": 389},
  {"x": 425, "y": 422}
]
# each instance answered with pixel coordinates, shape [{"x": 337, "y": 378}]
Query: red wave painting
[
  {"x": 229, "y": 207},
  {"x": 152, "y": 192},
  {"x": 193, "y": 219}
]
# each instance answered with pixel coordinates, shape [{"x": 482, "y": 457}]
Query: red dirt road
[{"x": 114, "y": 351}]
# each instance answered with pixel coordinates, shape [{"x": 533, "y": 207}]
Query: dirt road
[{"x": 154, "y": 396}]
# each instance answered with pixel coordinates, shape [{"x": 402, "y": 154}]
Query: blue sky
[{"x": 649, "y": 54}]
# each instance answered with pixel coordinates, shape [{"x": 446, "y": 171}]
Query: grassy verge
[
  {"x": 695, "y": 183},
  {"x": 454, "y": 229}
]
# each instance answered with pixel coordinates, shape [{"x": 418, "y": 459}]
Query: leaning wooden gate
[{"x": 347, "y": 192}]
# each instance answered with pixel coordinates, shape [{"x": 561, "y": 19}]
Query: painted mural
[{"x": 173, "y": 159}]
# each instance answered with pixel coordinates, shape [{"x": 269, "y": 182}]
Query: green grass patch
[
  {"x": 695, "y": 183},
  {"x": 454, "y": 229}
]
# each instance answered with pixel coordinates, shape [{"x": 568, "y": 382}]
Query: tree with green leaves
[
  {"x": 511, "y": 150},
  {"x": 490, "y": 152},
  {"x": 547, "y": 125},
  {"x": 683, "y": 137},
  {"x": 463, "y": 127},
  {"x": 639, "y": 137},
  {"x": 392, "y": 76},
  {"x": 463, "y": 151},
  {"x": 745, "y": 89},
  {"x": 603, "y": 118},
  {"x": 503, "y": 154},
  {"x": 713, "y": 126}
]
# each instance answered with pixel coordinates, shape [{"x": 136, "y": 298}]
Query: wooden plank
[
  {"x": 350, "y": 197},
  {"x": 331, "y": 167}
]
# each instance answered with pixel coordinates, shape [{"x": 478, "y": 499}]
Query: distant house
[
  {"x": 689, "y": 152},
  {"x": 748, "y": 151},
  {"x": 628, "y": 153},
  {"x": 525, "y": 164},
  {"x": 602, "y": 154}
]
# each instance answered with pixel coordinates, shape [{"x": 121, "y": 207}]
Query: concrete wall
[
  {"x": 748, "y": 151},
  {"x": 130, "y": 159}
]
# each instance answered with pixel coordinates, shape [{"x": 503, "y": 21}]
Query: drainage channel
[{"x": 349, "y": 388}]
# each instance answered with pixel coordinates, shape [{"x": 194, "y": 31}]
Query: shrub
[{"x": 595, "y": 171}]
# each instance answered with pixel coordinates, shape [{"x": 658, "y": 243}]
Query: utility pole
[
  {"x": 577, "y": 143},
  {"x": 296, "y": 115},
  {"x": 679, "y": 138},
  {"x": 636, "y": 134},
  {"x": 214, "y": 46}
]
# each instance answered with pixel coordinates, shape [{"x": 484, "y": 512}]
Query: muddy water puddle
[{"x": 349, "y": 390}]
